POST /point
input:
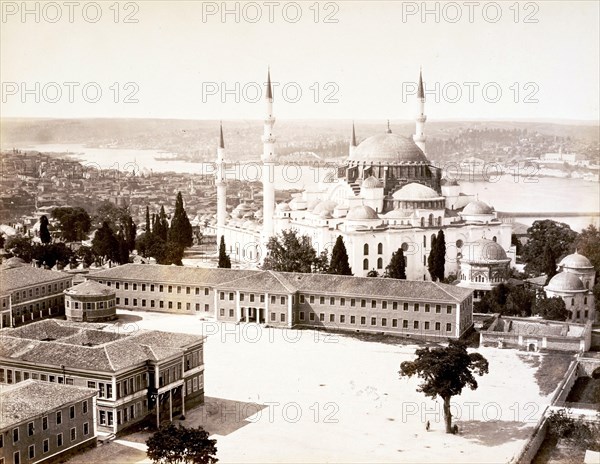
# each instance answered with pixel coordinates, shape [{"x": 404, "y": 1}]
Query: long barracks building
[{"x": 419, "y": 309}]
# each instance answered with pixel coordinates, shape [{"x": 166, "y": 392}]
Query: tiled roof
[
  {"x": 77, "y": 346},
  {"x": 25, "y": 276},
  {"x": 288, "y": 282},
  {"x": 171, "y": 274},
  {"x": 31, "y": 398},
  {"x": 90, "y": 288}
]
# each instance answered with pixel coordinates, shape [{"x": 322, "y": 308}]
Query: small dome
[
  {"x": 477, "y": 207},
  {"x": 576, "y": 261},
  {"x": 247, "y": 225},
  {"x": 388, "y": 147},
  {"x": 297, "y": 203},
  {"x": 397, "y": 214},
  {"x": 483, "y": 250},
  {"x": 565, "y": 281},
  {"x": 415, "y": 192},
  {"x": 325, "y": 215},
  {"x": 372, "y": 182},
  {"x": 327, "y": 205},
  {"x": 13, "y": 262},
  {"x": 312, "y": 204},
  {"x": 362, "y": 212},
  {"x": 283, "y": 207},
  {"x": 90, "y": 288}
]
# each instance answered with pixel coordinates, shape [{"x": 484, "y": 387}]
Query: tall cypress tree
[
  {"x": 161, "y": 226},
  {"x": 44, "y": 232},
  {"x": 148, "y": 230},
  {"x": 549, "y": 263},
  {"x": 396, "y": 269},
  {"x": 181, "y": 230},
  {"x": 440, "y": 255},
  {"x": 339, "y": 259},
  {"x": 431, "y": 259},
  {"x": 224, "y": 260}
]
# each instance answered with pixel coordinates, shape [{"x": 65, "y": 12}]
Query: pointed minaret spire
[
  {"x": 221, "y": 140},
  {"x": 353, "y": 139},
  {"x": 269, "y": 91},
  {"x": 389, "y": 129},
  {"x": 421, "y": 90}
]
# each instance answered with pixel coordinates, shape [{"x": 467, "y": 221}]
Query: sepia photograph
[{"x": 354, "y": 231}]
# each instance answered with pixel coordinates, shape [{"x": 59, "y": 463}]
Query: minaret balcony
[
  {"x": 268, "y": 139},
  {"x": 269, "y": 120}
]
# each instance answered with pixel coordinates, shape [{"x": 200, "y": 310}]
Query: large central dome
[{"x": 388, "y": 147}]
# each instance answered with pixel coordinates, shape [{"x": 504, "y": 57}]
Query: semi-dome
[
  {"x": 477, "y": 207},
  {"x": 415, "y": 192},
  {"x": 372, "y": 182},
  {"x": 325, "y": 215},
  {"x": 388, "y": 147},
  {"x": 297, "y": 203},
  {"x": 576, "y": 261},
  {"x": 362, "y": 212},
  {"x": 565, "y": 281},
  {"x": 312, "y": 204},
  {"x": 326, "y": 205},
  {"x": 483, "y": 250},
  {"x": 283, "y": 207}
]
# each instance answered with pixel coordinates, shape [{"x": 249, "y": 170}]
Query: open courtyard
[{"x": 277, "y": 395}]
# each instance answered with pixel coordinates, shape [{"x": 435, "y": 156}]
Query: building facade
[
  {"x": 425, "y": 310},
  {"x": 34, "y": 293},
  {"x": 45, "y": 422},
  {"x": 386, "y": 195},
  {"x": 138, "y": 374},
  {"x": 90, "y": 302}
]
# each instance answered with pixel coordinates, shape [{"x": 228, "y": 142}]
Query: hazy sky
[{"x": 180, "y": 63}]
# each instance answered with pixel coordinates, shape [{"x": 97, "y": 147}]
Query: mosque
[{"x": 387, "y": 195}]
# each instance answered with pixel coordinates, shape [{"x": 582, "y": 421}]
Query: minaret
[
  {"x": 221, "y": 185},
  {"x": 268, "y": 159},
  {"x": 419, "y": 136},
  {"x": 352, "y": 146}
]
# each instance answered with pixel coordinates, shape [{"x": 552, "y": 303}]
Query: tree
[
  {"x": 553, "y": 309},
  {"x": 321, "y": 263},
  {"x": 21, "y": 247},
  {"x": 339, "y": 259},
  {"x": 105, "y": 244},
  {"x": 588, "y": 244},
  {"x": 53, "y": 254},
  {"x": 2, "y": 240},
  {"x": 431, "y": 259},
  {"x": 176, "y": 444},
  {"x": 181, "y": 229},
  {"x": 161, "y": 225},
  {"x": 579, "y": 433},
  {"x": 85, "y": 255},
  {"x": 514, "y": 240},
  {"x": 396, "y": 269},
  {"x": 73, "y": 223},
  {"x": 148, "y": 226},
  {"x": 445, "y": 372},
  {"x": 440, "y": 256},
  {"x": 45, "y": 236},
  {"x": 224, "y": 260},
  {"x": 557, "y": 235},
  {"x": 520, "y": 302},
  {"x": 129, "y": 232},
  {"x": 548, "y": 263},
  {"x": 286, "y": 252}
]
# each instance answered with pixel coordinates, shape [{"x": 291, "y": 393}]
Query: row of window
[
  {"x": 194, "y": 384},
  {"x": 374, "y": 304},
  {"x": 170, "y": 374},
  {"x": 8, "y": 376},
  {"x": 31, "y": 451},
  {"x": 26, "y": 310},
  {"x": 426, "y": 325},
  {"x": 16, "y": 433},
  {"x": 92, "y": 305},
  {"x": 273, "y": 317},
  {"x": 37, "y": 291},
  {"x": 160, "y": 288},
  {"x": 282, "y": 300},
  {"x": 130, "y": 385},
  {"x": 160, "y": 304}
]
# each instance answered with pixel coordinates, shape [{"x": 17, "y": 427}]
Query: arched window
[
  {"x": 494, "y": 238},
  {"x": 422, "y": 222},
  {"x": 379, "y": 263},
  {"x": 587, "y": 284},
  {"x": 430, "y": 221},
  {"x": 585, "y": 300},
  {"x": 431, "y": 240},
  {"x": 572, "y": 301},
  {"x": 366, "y": 249},
  {"x": 380, "y": 249},
  {"x": 366, "y": 264},
  {"x": 424, "y": 242},
  {"x": 439, "y": 220}
]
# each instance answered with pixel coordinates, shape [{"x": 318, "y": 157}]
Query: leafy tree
[
  {"x": 440, "y": 256},
  {"x": 2, "y": 240},
  {"x": 178, "y": 444},
  {"x": 549, "y": 263},
  {"x": 396, "y": 269},
  {"x": 321, "y": 263},
  {"x": 85, "y": 255},
  {"x": 181, "y": 229},
  {"x": 581, "y": 434},
  {"x": 53, "y": 254},
  {"x": 514, "y": 240},
  {"x": 596, "y": 291},
  {"x": 44, "y": 232},
  {"x": 431, "y": 259},
  {"x": 553, "y": 309},
  {"x": 21, "y": 247},
  {"x": 339, "y": 259},
  {"x": 224, "y": 260},
  {"x": 520, "y": 302},
  {"x": 286, "y": 252},
  {"x": 445, "y": 372},
  {"x": 172, "y": 253},
  {"x": 588, "y": 244},
  {"x": 105, "y": 244},
  {"x": 73, "y": 223},
  {"x": 557, "y": 235}
]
